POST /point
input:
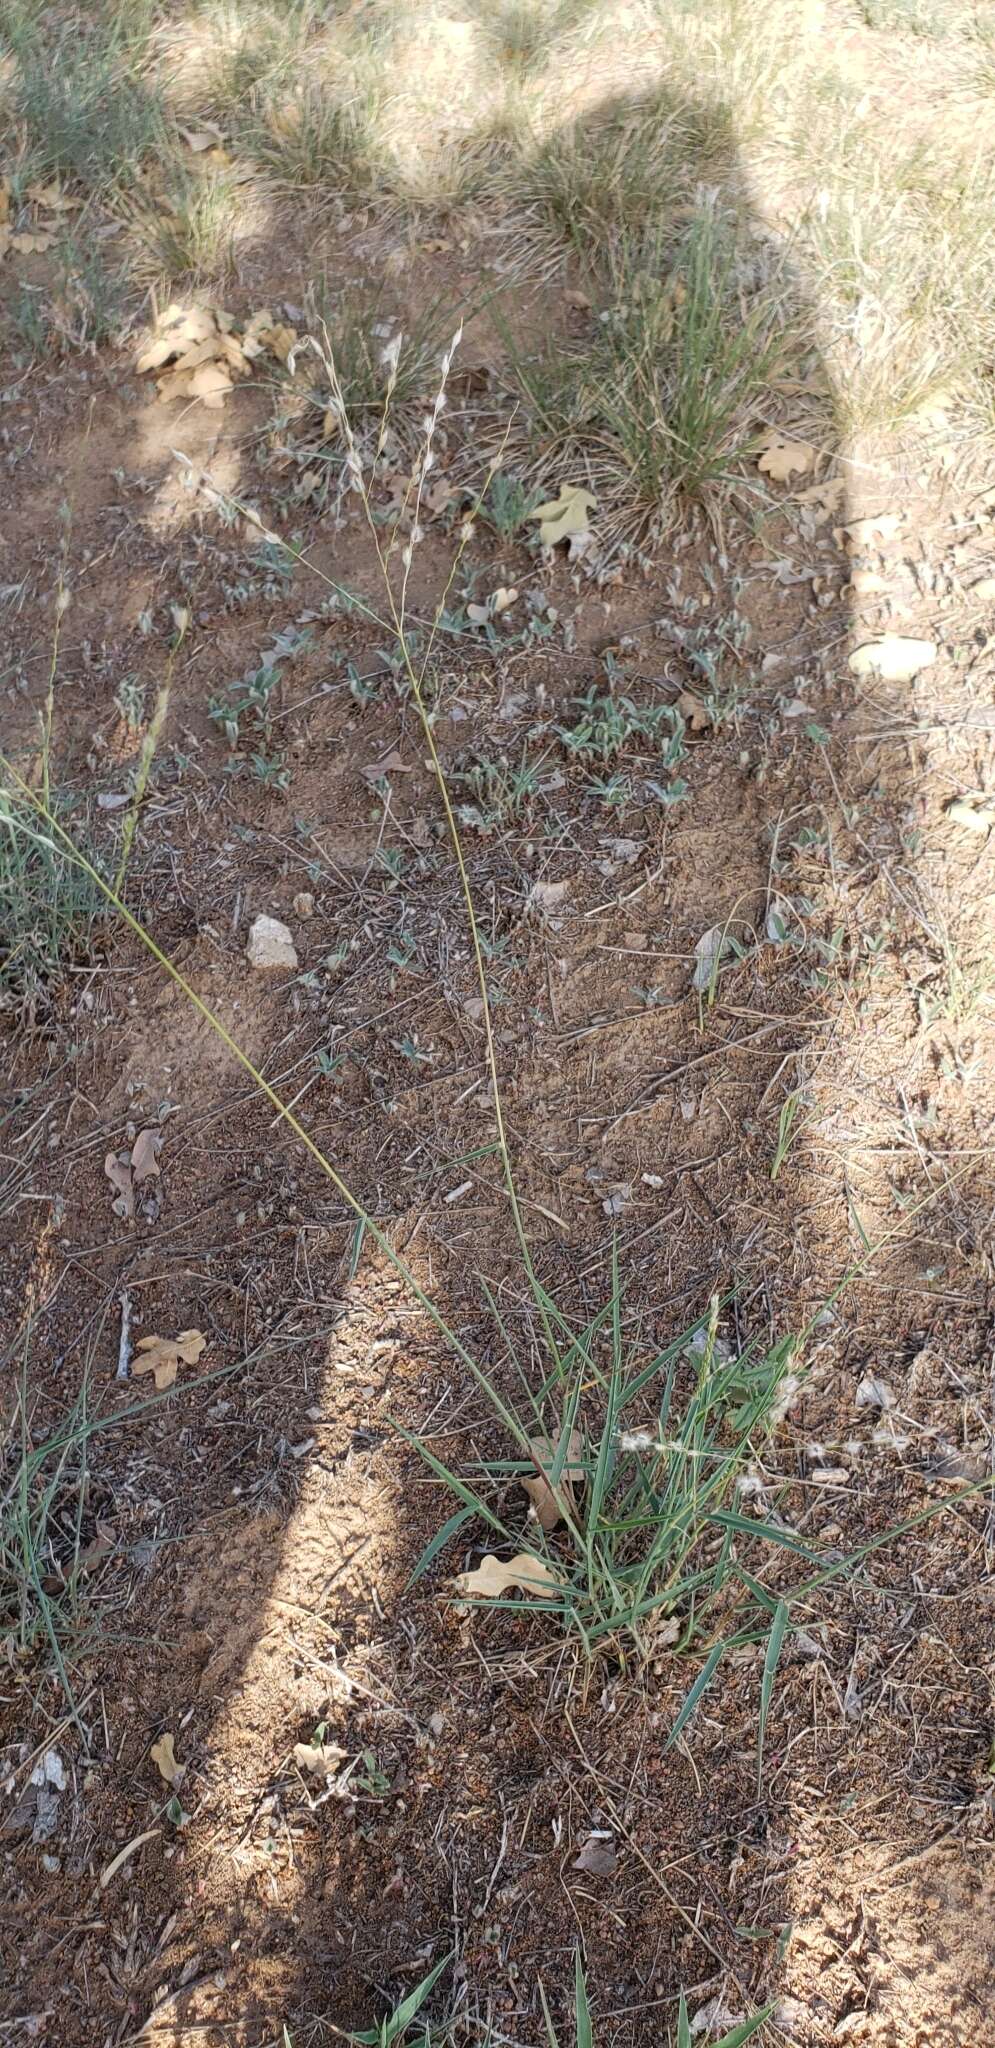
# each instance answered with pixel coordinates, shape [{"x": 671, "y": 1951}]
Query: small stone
[
  {"x": 270, "y": 944},
  {"x": 304, "y": 903}
]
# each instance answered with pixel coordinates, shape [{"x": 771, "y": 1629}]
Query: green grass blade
[
  {"x": 438, "y": 1542},
  {"x": 774, "y": 1642},
  {"x": 745, "y": 2030},
  {"x": 683, "y": 2026},
  {"x": 691, "y": 1698},
  {"x": 585, "y": 2032}
]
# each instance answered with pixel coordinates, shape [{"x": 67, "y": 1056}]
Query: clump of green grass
[
  {"x": 645, "y": 1472},
  {"x": 189, "y": 232},
  {"x": 43, "y": 1491},
  {"x": 590, "y": 181},
  {"x": 316, "y": 134},
  {"x": 669, "y": 382},
  {"x": 88, "y": 114},
  {"x": 51, "y": 909}
]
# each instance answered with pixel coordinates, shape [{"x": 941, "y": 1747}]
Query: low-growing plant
[{"x": 51, "y": 905}]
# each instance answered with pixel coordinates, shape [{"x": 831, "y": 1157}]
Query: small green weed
[
  {"x": 508, "y": 504},
  {"x": 503, "y": 793}
]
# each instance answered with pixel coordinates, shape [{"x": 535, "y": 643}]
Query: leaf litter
[
  {"x": 200, "y": 353},
  {"x": 163, "y": 1356},
  {"x": 493, "y": 1577},
  {"x": 549, "y": 1502},
  {"x": 565, "y": 517},
  {"x": 164, "y": 1757},
  {"x": 128, "y": 1170}
]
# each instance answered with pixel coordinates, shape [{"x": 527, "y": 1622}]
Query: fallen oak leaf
[
  {"x": 824, "y": 497},
  {"x": 31, "y": 245},
  {"x": 145, "y": 1156},
  {"x": 117, "y": 1167},
  {"x": 565, "y": 517},
  {"x": 693, "y": 711},
  {"x": 163, "y": 1356},
  {"x": 893, "y": 658},
  {"x": 782, "y": 459},
  {"x": 862, "y": 533},
  {"x": 523, "y": 1574},
  {"x": 977, "y": 817},
  {"x": 323, "y": 1758},
  {"x": 597, "y": 1857},
  {"x": 549, "y": 1501},
  {"x": 52, "y": 198},
  {"x": 165, "y": 1762},
  {"x": 211, "y": 384},
  {"x": 179, "y": 329},
  {"x": 390, "y": 764}
]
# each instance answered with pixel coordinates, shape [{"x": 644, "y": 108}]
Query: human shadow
[{"x": 464, "y": 1766}]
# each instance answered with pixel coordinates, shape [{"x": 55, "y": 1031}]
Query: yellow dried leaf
[
  {"x": 31, "y": 245},
  {"x": 867, "y": 583},
  {"x": 199, "y": 139},
  {"x": 985, "y": 590},
  {"x": 824, "y": 497},
  {"x": 893, "y": 658},
  {"x": 4, "y": 200},
  {"x": 976, "y": 817},
  {"x": 163, "y": 1356},
  {"x": 176, "y": 385},
  {"x": 323, "y": 1758},
  {"x": 493, "y": 1577},
  {"x": 162, "y": 1756},
  {"x": 862, "y": 533},
  {"x": 782, "y": 459},
  {"x": 52, "y": 198},
  {"x": 564, "y": 517},
  {"x": 181, "y": 328},
  {"x": 548, "y": 1504},
  {"x": 280, "y": 340},
  {"x": 211, "y": 384}
]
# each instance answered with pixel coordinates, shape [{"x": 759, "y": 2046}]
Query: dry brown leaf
[
  {"x": 163, "y": 1356},
  {"x": 179, "y": 329},
  {"x": 825, "y": 497},
  {"x": 145, "y": 1156},
  {"x": 867, "y": 583},
  {"x": 117, "y": 1167},
  {"x": 31, "y": 245},
  {"x": 493, "y": 1577},
  {"x": 862, "y": 533},
  {"x": 977, "y": 817},
  {"x": 389, "y": 764},
  {"x": 565, "y": 517},
  {"x": 162, "y": 1756},
  {"x": 597, "y": 1857},
  {"x": 211, "y": 384},
  {"x": 893, "y": 658},
  {"x": 693, "y": 711},
  {"x": 4, "y": 200},
  {"x": 4, "y": 240},
  {"x": 52, "y": 198},
  {"x": 783, "y": 459},
  {"x": 548, "y": 1505},
  {"x": 323, "y": 1758},
  {"x": 199, "y": 139}
]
